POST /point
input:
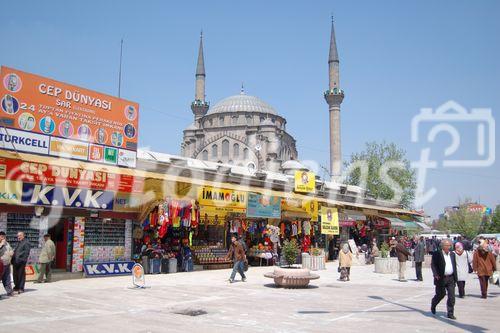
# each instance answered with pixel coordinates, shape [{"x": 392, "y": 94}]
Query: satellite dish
[
  {"x": 251, "y": 167},
  {"x": 258, "y": 147}
]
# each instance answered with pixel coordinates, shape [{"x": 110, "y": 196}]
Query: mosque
[{"x": 243, "y": 130}]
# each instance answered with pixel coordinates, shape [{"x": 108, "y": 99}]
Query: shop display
[
  {"x": 104, "y": 232},
  {"x": 78, "y": 242},
  {"x": 22, "y": 222},
  {"x": 210, "y": 254}
]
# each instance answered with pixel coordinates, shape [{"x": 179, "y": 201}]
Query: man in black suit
[{"x": 444, "y": 269}]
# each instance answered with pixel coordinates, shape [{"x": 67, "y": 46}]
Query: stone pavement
[{"x": 368, "y": 303}]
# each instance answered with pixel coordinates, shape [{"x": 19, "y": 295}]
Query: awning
[
  {"x": 424, "y": 226},
  {"x": 396, "y": 223},
  {"x": 354, "y": 215}
]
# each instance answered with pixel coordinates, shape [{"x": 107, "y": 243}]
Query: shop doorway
[{"x": 59, "y": 235}]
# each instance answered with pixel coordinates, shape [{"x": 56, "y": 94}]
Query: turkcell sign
[
  {"x": 16, "y": 140},
  {"x": 108, "y": 268},
  {"x": 48, "y": 195}
]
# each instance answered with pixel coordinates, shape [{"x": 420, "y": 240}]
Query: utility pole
[{"x": 120, "y": 71}]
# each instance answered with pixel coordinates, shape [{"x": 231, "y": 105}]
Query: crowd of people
[{"x": 452, "y": 262}]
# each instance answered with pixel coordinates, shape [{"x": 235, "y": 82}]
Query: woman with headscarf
[
  {"x": 463, "y": 260},
  {"x": 484, "y": 265},
  {"x": 345, "y": 262}
]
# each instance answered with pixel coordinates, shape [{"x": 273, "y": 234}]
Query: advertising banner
[
  {"x": 211, "y": 196},
  {"x": 305, "y": 182},
  {"x": 308, "y": 206},
  {"x": 329, "y": 221},
  {"x": 10, "y": 191},
  {"x": 16, "y": 140},
  {"x": 48, "y": 195},
  {"x": 52, "y": 174},
  {"x": 263, "y": 206},
  {"x": 216, "y": 215},
  {"x": 54, "y": 109},
  {"x": 108, "y": 268}
]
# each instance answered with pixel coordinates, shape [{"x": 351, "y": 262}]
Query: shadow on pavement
[
  {"x": 465, "y": 327},
  {"x": 273, "y": 286},
  {"x": 314, "y": 312}
]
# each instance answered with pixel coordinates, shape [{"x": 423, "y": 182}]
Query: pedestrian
[
  {"x": 402, "y": 253},
  {"x": 464, "y": 267},
  {"x": 21, "y": 254},
  {"x": 392, "y": 247},
  {"x": 444, "y": 269},
  {"x": 419, "y": 257},
  {"x": 6, "y": 254},
  {"x": 47, "y": 255},
  {"x": 345, "y": 262},
  {"x": 375, "y": 252},
  {"x": 237, "y": 254},
  {"x": 484, "y": 265}
]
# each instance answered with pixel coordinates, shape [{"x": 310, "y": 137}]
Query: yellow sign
[
  {"x": 217, "y": 215},
  {"x": 311, "y": 206},
  {"x": 305, "y": 182},
  {"x": 210, "y": 196},
  {"x": 329, "y": 221},
  {"x": 11, "y": 191}
]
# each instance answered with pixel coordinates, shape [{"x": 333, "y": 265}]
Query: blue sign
[
  {"x": 265, "y": 206},
  {"x": 49, "y": 195},
  {"x": 108, "y": 268}
]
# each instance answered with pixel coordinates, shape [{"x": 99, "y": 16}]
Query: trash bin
[
  {"x": 172, "y": 265},
  {"x": 306, "y": 260}
]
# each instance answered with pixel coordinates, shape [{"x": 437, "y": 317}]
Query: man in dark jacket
[
  {"x": 237, "y": 253},
  {"x": 419, "y": 256},
  {"x": 444, "y": 269},
  {"x": 402, "y": 253},
  {"x": 21, "y": 254}
]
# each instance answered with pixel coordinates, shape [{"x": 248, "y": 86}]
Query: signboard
[
  {"x": 138, "y": 279},
  {"x": 10, "y": 191},
  {"x": 16, "y": 140},
  {"x": 305, "y": 182},
  {"x": 126, "y": 202},
  {"x": 32, "y": 272},
  {"x": 211, "y": 196},
  {"x": 108, "y": 268},
  {"x": 52, "y": 174},
  {"x": 55, "y": 111},
  {"x": 329, "y": 221},
  {"x": 308, "y": 206},
  {"x": 263, "y": 206},
  {"x": 216, "y": 215},
  {"x": 48, "y": 195}
]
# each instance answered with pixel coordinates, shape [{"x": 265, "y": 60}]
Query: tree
[
  {"x": 462, "y": 221},
  {"x": 494, "y": 225},
  {"x": 384, "y": 170}
]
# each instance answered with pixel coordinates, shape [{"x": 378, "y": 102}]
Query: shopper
[
  {"x": 464, "y": 261},
  {"x": 402, "y": 253},
  {"x": 6, "y": 254},
  {"x": 345, "y": 262},
  {"x": 444, "y": 269},
  {"x": 237, "y": 254},
  {"x": 484, "y": 265},
  {"x": 47, "y": 256},
  {"x": 21, "y": 254},
  {"x": 419, "y": 257}
]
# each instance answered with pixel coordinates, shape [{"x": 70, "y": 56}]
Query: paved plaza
[{"x": 206, "y": 302}]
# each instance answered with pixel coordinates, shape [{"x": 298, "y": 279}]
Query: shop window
[
  {"x": 225, "y": 148},
  {"x": 214, "y": 151},
  {"x": 204, "y": 155},
  {"x": 236, "y": 150}
]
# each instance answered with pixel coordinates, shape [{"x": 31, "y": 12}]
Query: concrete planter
[
  {"x": 291, "y": 277},
  {"x": 386, "y": 265},
  {"x": 426, "y": 263}
]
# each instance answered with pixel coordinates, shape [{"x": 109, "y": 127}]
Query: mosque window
[
  {"x": 225, "y": 148},
  {"x": 236, "y": 150},
  {"x": 249, "y": 120},
  {"x": 211, "y": 122},
  {"x": 262, "y": 119},
  {"x": 214, "y": 151},
  {"x": 245, "y": 153},
  {"x": 273, "y": 120},
  {"x": 221, "y": 121},
  {"x": 234, "y": 120},
  {"x": 204, "y": 155}
]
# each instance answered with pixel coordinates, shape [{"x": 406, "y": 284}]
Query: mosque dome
[{"x": 242, "y": 103}]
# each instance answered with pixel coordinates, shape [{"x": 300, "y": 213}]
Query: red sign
[{"x": 32, "y": 172}]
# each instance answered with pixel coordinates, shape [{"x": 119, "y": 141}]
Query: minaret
[
  {"x": 334, "y": 97},
  {"x": 199, "y": 106}
]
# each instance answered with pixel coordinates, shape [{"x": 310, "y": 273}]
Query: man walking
[
  {"x": 6, "y": 254},
  {"x": 402, "y": 253},
  {"x": 444, "y": 269},
  {"x": 419, "y": 256},
  {"x": 237, "y": 253},
  {"x": 21, "y": 254},
  {"x": 47, "y": 255}
]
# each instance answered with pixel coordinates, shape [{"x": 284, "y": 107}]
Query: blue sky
[{"x": 395, "y": 58}]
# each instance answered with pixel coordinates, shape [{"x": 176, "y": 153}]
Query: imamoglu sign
[{"x": 210, "y": 196}]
